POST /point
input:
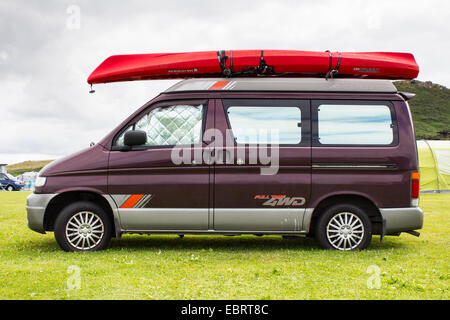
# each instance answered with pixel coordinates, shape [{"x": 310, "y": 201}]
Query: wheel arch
[
  {"x": 63, "y": 199},
  {"x": 362, "y": 201}
]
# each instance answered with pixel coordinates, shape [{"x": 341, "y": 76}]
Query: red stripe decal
[
  {"x": 219, "y": 85},
  {"x": 132, "y": 200}
]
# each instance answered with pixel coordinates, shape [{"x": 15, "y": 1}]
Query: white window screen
[{"x": 174, "y": 125}]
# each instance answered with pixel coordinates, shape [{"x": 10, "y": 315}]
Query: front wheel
[
  {"x": 83, "y": 226},
  {"x": 10, "y": 188},
  {"x": 344, "y": 227}
]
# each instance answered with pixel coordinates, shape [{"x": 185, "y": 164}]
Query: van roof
[{"x": 285, "y": 84}]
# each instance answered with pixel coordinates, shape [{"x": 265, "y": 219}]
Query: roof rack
[{"x": 284, "y": 84}]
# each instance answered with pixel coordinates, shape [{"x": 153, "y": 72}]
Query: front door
[
  {"x": 158, "y": 186},
  {"x": 263, "y": 182}
]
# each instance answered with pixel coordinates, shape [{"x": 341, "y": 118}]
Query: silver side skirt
[
  {"x": 219, "y": 221},
  {"x": 217, "y": 232}
]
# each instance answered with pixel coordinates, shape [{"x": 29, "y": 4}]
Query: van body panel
[
  {"x": 86, "y": 170},
  {"x": 165, "y": 185},
  {"x": 379, "y": 173},
  {"x": 148, "y": 193},
  {"x": 257, "y": 219},
  {"x": 246, "y": 199},
  {"x": 164, "y": 219},
  {"x": 402, "y": 219}
]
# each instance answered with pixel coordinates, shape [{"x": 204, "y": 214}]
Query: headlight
[{"x": 40, "y": 181}]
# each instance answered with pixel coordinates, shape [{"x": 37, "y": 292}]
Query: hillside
[
  {"x": 430, "y": 108},
  {"x": 19, "y": 168}
]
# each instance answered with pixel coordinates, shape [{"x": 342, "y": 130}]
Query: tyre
[
  {"x": 344, "y": 227},
  {"x": 83, "y": 226},
  {"x": 10, "y": 188}
]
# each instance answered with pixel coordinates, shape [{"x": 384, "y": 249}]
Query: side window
[
  {"x": 120, "y": 140},
  {"x": 340, "y": 124},
  {"x": 172, "y": 125},
  {"x": 265, "y": 124}
]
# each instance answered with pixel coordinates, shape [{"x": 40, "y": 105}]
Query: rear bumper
[
  {"x": 36, "y": 205},
  {"x": 397, "y": 220}
]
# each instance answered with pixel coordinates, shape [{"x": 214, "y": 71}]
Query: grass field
[
  {"x": 205, "y": 267},
  {"x": 19, "y": 168}
]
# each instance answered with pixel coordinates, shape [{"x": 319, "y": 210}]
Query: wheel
[
  {"x": 10, "y": 188},
  {"x": 83, "y": 226},
  {"x": 344, "y": 227}
]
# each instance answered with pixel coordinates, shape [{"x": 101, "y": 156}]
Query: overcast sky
[{"x": 49, "y": 48}]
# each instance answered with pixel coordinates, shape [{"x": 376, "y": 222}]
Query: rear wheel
[
  {"x": 10, "y": 188},
  {"x": 344, "y": 227},
  {"x": 83, "y": 226}
]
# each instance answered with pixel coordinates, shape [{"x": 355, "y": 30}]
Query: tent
[
  {"x": 434, "y": 163},
  {"x": 29, "y": 178}
]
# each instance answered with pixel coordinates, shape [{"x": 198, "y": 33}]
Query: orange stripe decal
[
  {"x": 219, "y": 85},
  {"x": 132, "y": 200}
]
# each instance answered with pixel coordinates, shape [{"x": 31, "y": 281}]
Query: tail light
[{"x": 415, "y": 188}]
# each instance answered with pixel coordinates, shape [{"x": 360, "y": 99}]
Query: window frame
[
  {"x": 315, "y": 104},
  {"x": 161, "y": 104},
  {"x": 302, "y": 104}
]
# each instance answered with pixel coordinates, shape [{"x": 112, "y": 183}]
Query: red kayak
[{"x": 373, "y": 65}]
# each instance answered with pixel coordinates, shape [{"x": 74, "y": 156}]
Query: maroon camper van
[{"x": 335, "y": 159}]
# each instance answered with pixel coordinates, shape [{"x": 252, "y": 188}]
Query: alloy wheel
[
  {"x": 345, "y": 231},
  {"x": 84, "y": 230}
]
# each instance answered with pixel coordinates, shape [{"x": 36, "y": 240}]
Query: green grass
[{"x": 206, "y": 267}]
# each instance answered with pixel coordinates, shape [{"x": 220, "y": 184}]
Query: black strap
[
  {"x": 330, "y": 59},
  {"x": 262, "y": 68},
  {"x": 222, "y": 57},
  {"x": 231, "y": 62},
  {"x": 332, "y": 72}
]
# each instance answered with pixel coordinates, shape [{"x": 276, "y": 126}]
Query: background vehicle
[
  {"x": 10, "y": 183},
  {"x": 347, "y": 168}
]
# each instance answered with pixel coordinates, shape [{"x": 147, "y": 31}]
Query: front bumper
[
  {"x": 36, "y": 205},
  {"x": 397, "y": 220}
]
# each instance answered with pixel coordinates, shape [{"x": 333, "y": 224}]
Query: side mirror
[{"x": 135, "y": 138}]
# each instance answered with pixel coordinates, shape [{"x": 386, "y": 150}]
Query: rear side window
[
  {"x": 168, "y": 126},
  {"x": 353, "y": 124},
  {"x": 265, "y": 124}
]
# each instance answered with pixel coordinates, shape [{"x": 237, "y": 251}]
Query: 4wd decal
[{"x": 281, "y": 200}]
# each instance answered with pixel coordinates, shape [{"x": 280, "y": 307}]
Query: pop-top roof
[{"x": 285, "y": 84}]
